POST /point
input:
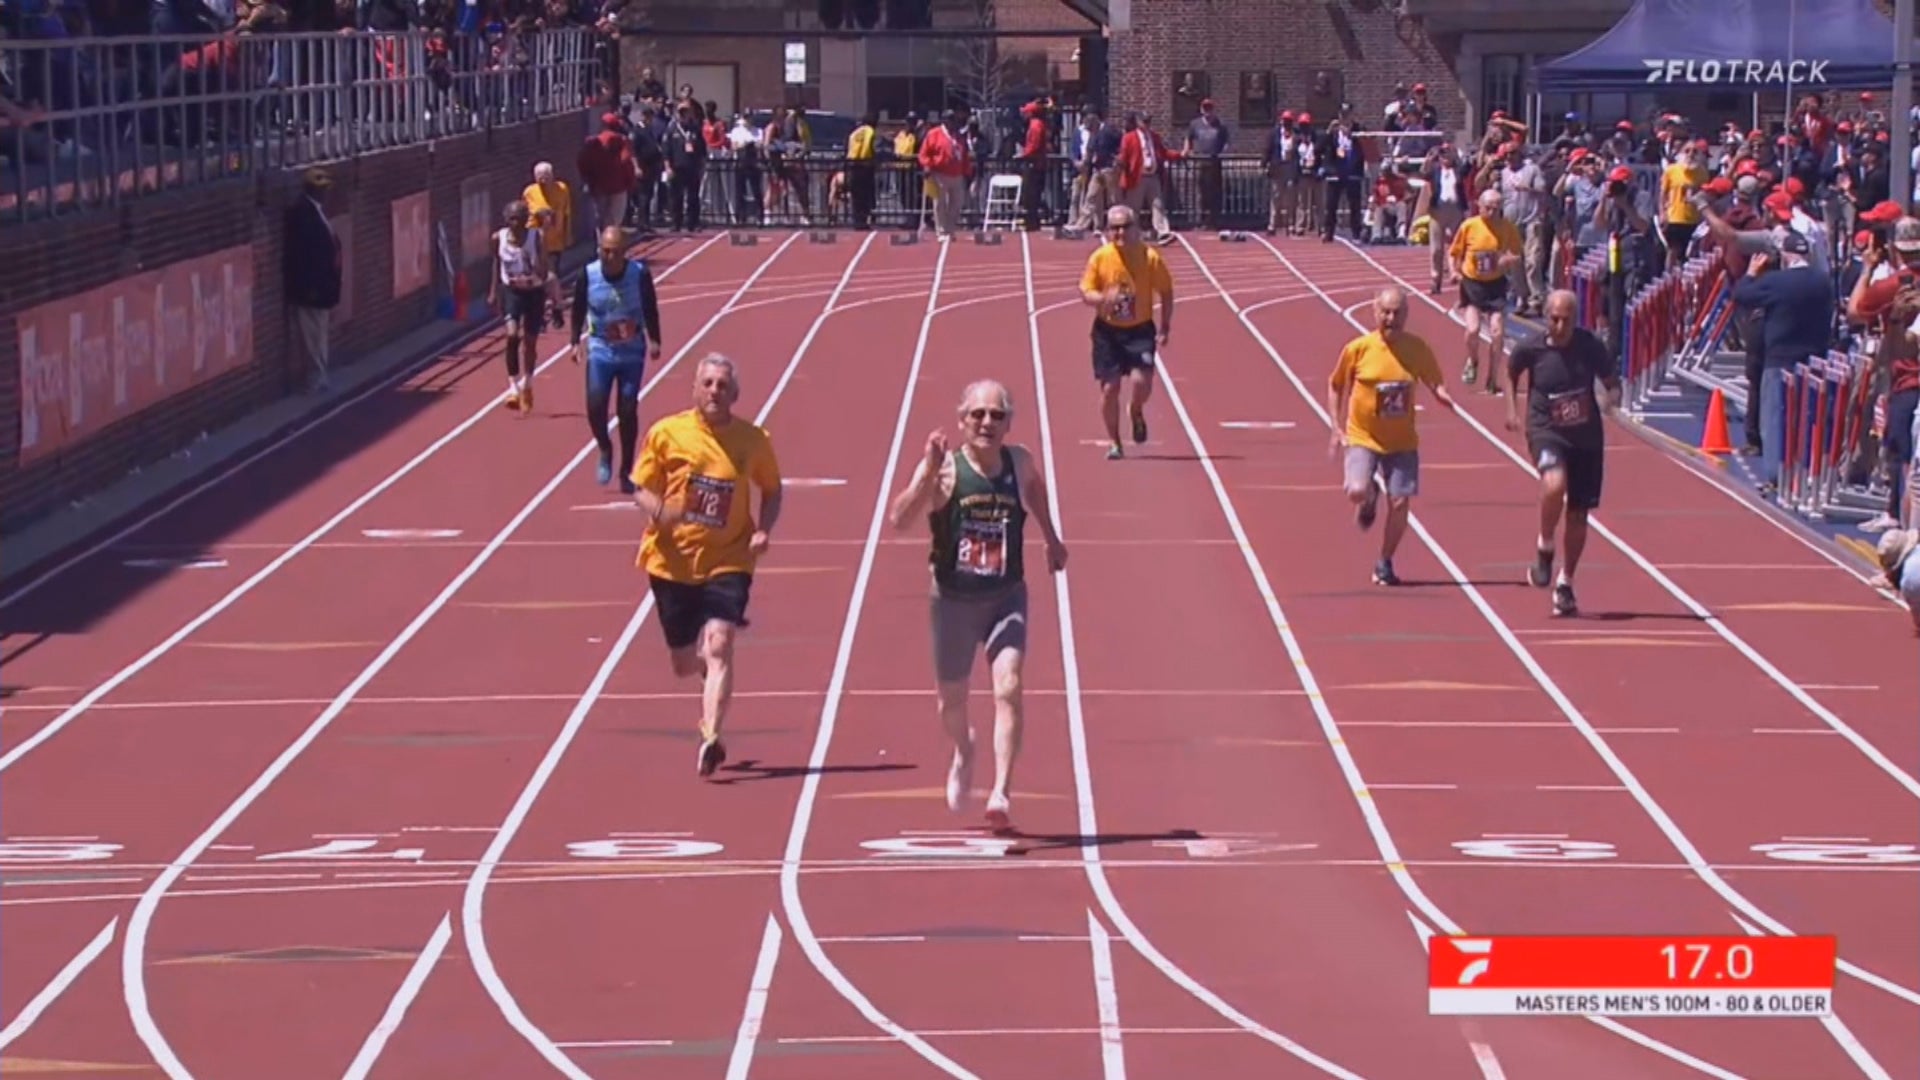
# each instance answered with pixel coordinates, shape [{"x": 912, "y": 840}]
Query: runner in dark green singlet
[{"x": 978, "y": 499}]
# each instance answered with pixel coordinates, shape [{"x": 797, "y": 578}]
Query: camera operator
[{"x": 1624, "y": 216}]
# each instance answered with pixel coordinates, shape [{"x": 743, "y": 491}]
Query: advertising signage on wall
[{"x": 91, "y": 360}]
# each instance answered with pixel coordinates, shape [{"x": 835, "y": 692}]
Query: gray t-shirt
[
  {"x": 1520, "y": 193},
  {"x": 1209, "y": 140}
]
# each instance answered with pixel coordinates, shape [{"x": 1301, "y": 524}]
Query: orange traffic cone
[{"x": 1714, "y": 439}]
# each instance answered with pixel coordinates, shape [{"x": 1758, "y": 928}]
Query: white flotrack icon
[{"x": 1736, "y": 71}]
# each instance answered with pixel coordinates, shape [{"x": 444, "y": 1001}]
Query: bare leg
[
  {"x": 1395, "y": 527},
  {"x": 1110, "y": 414},
  {"x": 716, "y": 654},
  {"x": 1009, "y": 723},
  {"x": 953, "y": 717}
]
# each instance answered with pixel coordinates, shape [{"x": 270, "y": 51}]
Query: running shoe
[
  {"x": 959, "y": 783},
  {"x": 626, "y": 484},
  {"x": 1563, "y": 601},
  {"x": 1139, "y": 427},
  {"x": 999, "y": 813},
  {"x": 1541, "y": 572},
  {"x": 713, "y": 754},
  {"x": 526, "y": 396},
  {"x": 604, "y": 474},
  {"x": 1114, "y": 453},
  {"x": 1468, "y": 376},
  {"x": 1383, "y": 573}
]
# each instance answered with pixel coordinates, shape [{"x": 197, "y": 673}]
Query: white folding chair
[{"x": 1003, "y": 202}]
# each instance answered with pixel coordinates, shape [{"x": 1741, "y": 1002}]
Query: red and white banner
[
  {"x": 1631, "y": 976},
  {"x": 90, "y": 360}
]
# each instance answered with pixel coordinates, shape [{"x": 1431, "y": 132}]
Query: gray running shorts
[
  {"x": 1400, "y": 472},
  {"x": 962, "y": 626}
]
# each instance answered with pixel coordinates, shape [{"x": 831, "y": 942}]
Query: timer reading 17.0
[{"x": 1696, "y": 962}]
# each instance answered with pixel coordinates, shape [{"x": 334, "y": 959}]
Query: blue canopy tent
[{"x": 1744, "y": 46}]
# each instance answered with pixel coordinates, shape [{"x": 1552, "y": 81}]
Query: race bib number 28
[
  {"x": 1569, "y": 409},
  {"x": 709, "y": 501},
  {"x": 982, "y": 550}
]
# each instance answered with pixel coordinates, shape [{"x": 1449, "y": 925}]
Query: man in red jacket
[
  {"x": 1142, "y": 157},
  {"x": 607, "y": 170},
  {"x": 947, "y": 162}
]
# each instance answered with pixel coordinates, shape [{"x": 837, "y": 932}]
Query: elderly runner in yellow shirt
[
  {"x": 703, "y": 540},
  {"x": 1485, "y": 248},
  {"x": 1121, "y": 280},
  {"x": 1370, "y": 397}
]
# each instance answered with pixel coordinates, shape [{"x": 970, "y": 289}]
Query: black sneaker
[
  {"x": 1139, "y": 427},
  {"x": 1541, "y": 572},
  {"x": 713, "y": 754},
  {"x": 1563, "y": 601},
  {"x": 1383, "y": 574}
]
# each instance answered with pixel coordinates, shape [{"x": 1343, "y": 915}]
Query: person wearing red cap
[
  {"x": 608, "y": 171},
  {"x": 1207, "y": 139}
]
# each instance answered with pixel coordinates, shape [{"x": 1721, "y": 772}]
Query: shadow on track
[{"x": 750, "y": 770}]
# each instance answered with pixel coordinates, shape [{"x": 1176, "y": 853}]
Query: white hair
[
  {"x": 721, "y": 361},
  {"x": 986, "y": 388},
  {"x": 543, "y": 172},
  {"x": 1489, "y": 198}
]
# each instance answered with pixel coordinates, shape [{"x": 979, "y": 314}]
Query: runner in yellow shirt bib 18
[
  {"x": 1122, "y": 279},
  {"x": 1485, "y": 248}
]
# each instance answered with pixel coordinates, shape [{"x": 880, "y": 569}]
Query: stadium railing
[
  {"x": 118, "y": 118},
  {"x": 1676, "y": 328}
]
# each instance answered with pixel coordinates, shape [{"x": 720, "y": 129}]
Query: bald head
[
  {"x": 1390, "y": 310},
  {"x": 1563, "y": 314}
]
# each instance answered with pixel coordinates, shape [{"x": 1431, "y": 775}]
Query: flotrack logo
[{"x": 1736, "y": 71}]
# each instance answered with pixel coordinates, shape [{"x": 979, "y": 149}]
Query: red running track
[{"x": 450, "y": 827}]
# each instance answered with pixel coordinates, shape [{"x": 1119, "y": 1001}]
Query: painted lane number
[
  {"x": 643, "y": 847},
  {"x": 941, "y": 846},
  {"x": 345, "y": 848},
  {"x": 55, "y": 851},
  {"x": 1535, "y": 849},
  {"x": 1836, "y": 852}
]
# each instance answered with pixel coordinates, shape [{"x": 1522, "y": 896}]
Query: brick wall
[
  {"x": 1361, "y": 43},
  {"x": 49, "y": 261}
]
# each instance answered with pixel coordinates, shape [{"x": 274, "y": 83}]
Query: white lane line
[
  {"x": 133, "y": 965},
  {"x": 402, "y": 1000},
  {"x": 1370, "y": 812},
  {"x": 57, "y": 724},
  {"x": 1615, "y": 764},
  {"x": 1686, "y": 599},
  {"x": 796, "y": 848},
  {"x": 473, "y": 901},
  {"x": 1087, "y": 818},
  {"x": 1106, "y": 995},
  {"x": 58, "y": 985},
  {"x": 755, "y": 1014}
]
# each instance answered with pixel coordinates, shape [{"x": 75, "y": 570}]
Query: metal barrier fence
[
  {"x": 118, "y": 118},
  {"x": 1676, "y": 327},
  {"x": 813, "y": 189}
]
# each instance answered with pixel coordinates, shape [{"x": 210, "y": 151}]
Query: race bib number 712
[{"x": 709, "y": 501}]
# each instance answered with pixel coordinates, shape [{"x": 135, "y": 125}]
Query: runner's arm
[
  {"x": 1092, "y": 292},
  {"x": 1339, "y": 385},
  {"x": 579, "y": 308},
  {"x": 908, "y": 504},
  {"x": 1519, "y": 366},
  {"x": 766, "y": 477},
  {"x": 1033, "y": 493},
  {"x": 649, "y": 303},
  {"x": 650, "y": 479},
  {"x": 1164, "y": 286}
]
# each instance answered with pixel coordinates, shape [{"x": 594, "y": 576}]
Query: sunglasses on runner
[{"x": 977, "y": 415}]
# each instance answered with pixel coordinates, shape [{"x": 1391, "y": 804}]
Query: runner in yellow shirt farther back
[
  {"x": 1121, "y": 280},
  {"x": 1484, "y": 250},
  {"x": 1370, "y": 397},
  {"x": 703, "y": 539}
]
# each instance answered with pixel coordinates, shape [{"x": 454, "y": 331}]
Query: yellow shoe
[{"x": 526, "y": 397}]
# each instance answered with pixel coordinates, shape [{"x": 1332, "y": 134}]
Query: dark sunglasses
[{"x": 986, "y": 414}]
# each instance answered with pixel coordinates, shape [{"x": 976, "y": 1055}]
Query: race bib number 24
[{"x": 1396, "y": 399}]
